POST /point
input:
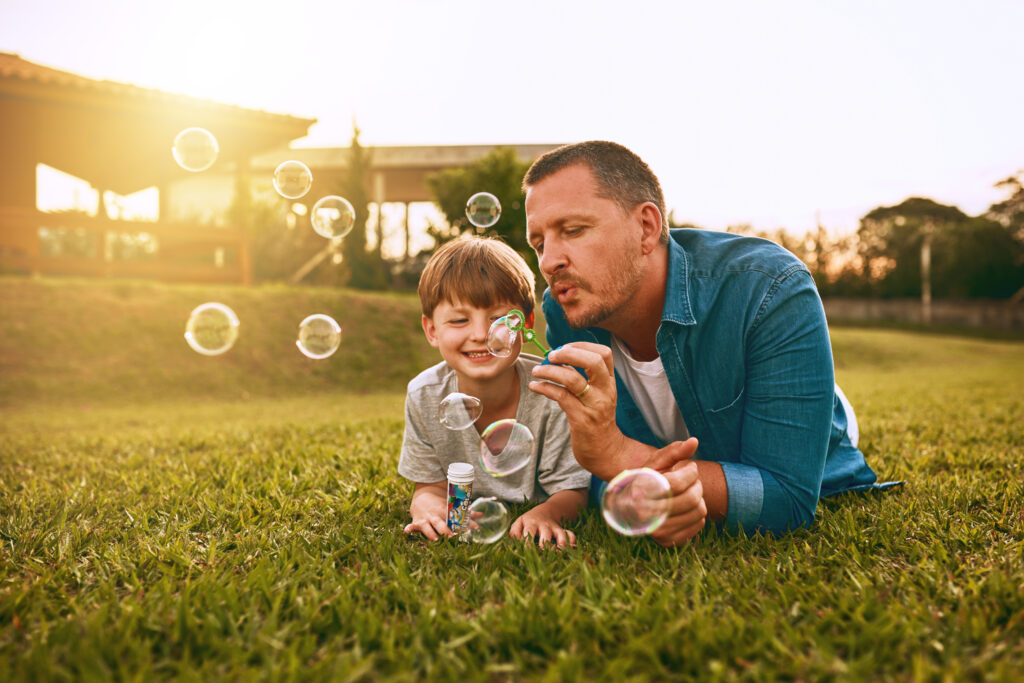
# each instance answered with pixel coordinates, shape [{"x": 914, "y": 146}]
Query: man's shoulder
[{"x": 711, "y": 253}]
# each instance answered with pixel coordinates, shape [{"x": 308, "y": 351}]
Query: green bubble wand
[{"x": 515, "y": 320}]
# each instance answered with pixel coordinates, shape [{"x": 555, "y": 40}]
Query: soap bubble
[
  {"x": 506, "y": 446},
  {"x": 211, "y": 329},
  {"x": 636, "y": 502},
  {"x": 319, "y": 336},
  {"x": 459, "y": 411},
  {"x": 501, "y": 339},
  {"x": 333, "y": 217},
  {"x": 483, "y": 209},
  {"x": 195, "y": 149},
  {"x": 488, "y": 520},
  {"x": 292, "y": 179}
]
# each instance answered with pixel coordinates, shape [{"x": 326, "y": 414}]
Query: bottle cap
[{"x": 460, "y": 472}]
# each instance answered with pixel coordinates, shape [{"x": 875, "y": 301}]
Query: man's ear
[
  {"x": 650, "y": 223},
  {"x": 429, "y": 330}
]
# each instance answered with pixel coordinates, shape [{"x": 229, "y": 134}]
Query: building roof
[{"x": 116, "y": 135}]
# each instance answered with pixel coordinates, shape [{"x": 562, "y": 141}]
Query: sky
[{"x": 773, "y": 114}]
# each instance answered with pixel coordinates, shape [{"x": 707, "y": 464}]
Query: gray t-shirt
[{"x": 429, "y": 447}]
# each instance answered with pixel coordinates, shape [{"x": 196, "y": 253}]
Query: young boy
[{"x": 468, "y": 284}]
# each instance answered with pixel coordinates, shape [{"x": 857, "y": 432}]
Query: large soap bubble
[
  {"x": 503, "y": 335},
  {"x": 483, "y": 209},
  {"x": 333, "y": 217},
  {"x": 319, "y": 336},
  {"x": 636, "y": 502},
  {"x": 459, "y": 411},
  {"x": 212, "y": 329},
  {"x": 292, "y": 179},
  {"x": 506, "y": 446},
  {"x": 488, "y": 520},
  {"x": 195, "y": 149}
]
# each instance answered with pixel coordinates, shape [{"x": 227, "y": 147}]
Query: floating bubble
[
  {"x": 333, "y": 217},
  {"x": 488, "y": 520},
  {"x": 636, "y": 502},
  {"x": 319, "y": 336},
  {"x": 195, "y": 149},
  {"x": 292, "y": 179},
  {"x": 459, "y": 411},
  {"x": 211, "y": 329},
  {"x": 501, "y": 338},
  {"x": 483, "y": 209},
  {"x": 506, "y": 446}
]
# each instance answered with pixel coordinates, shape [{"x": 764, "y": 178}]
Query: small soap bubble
[
  {"x": 292, "y": 179},
  {"x": 506, "y": 447},
  {"x": 333, "y": 217},
  {"x": 211, "y": 329},
  {"x": 483, "y": 209},
  {"x": 636, "y": 502},
  {"x": 319, "y": 336},
  {"x": 501, "y": 339},
  {"x": 488, "y": 520},
  {"x": 459, "y": 411},
  {"x": 195, "y": 149}
]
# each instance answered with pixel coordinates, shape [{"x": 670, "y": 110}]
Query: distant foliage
[
  {"x": 500, "y": 173},
  {"x": 971, "y": 257}
]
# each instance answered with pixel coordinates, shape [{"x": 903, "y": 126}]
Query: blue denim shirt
[{"x": 746, "y": 350}]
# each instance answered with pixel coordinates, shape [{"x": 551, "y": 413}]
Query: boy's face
[{"x": 459, "y": 332}]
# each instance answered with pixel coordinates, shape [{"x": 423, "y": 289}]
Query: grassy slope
[
  {"x": 261, "y": 538},
  {"x": 75, "y": 342}
]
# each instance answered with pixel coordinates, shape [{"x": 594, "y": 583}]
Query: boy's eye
[{"x": 457, "y": 321}]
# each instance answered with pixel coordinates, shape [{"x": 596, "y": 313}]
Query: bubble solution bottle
[{"x": 460, "y": 489}]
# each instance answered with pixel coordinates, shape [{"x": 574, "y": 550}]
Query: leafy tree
[
  {"x": 500, "y": 173},
  {"x": 367, "y": 268},
  {"x": 891, "y": 238},
  {"x": 1010, "y": 212}
]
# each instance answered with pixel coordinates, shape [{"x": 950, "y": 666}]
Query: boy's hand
[
  {"x": 431, "y": 526},
  {"x": 537, "y": 524},
  {"x": 429, "y": 511}
]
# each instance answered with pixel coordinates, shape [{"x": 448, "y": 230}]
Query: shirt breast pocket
[{"x": 725, "y": 424}]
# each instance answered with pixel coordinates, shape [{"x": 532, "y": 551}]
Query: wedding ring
[{"x": 584, "y": 392}]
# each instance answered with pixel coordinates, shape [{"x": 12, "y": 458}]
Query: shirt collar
[{"x": 677, "y": 290}]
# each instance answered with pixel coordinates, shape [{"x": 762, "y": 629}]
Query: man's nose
[{"x": 552, "y": 260}]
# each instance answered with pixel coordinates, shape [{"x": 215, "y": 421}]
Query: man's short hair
[
  {"x": 621, "y": 175},
  {"x": 479, "y": 271}
]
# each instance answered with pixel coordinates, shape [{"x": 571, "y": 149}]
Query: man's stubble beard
[{"x": 625, "y": 286}]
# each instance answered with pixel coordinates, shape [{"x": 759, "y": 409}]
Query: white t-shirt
[{"x": 648, "y": 385}]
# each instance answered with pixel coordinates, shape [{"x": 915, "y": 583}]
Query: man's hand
[
  {"x": 688, "y": 511},
  {"x": 589, "y": 405}
]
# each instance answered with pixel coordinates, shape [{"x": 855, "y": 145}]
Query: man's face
[{"x": 588, "y": 247}]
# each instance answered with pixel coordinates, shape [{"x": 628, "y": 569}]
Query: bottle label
[{"x": 458, "y": 505}]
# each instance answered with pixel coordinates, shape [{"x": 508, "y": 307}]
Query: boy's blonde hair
[{"x": 479, "y": 271}]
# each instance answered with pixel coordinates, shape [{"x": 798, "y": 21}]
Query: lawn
[{"x": 204, "y": 534}]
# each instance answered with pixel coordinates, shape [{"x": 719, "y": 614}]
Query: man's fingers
[
  {"x": 680, "y": 536},
  {"x": 670, "y": 456}
]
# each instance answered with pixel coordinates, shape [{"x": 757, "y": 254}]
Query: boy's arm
[
  {"x": 544, "y": 521},
  {"x": 429, "y": 511}
]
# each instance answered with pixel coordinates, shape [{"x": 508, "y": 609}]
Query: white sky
[{"x": 758, "y": 112}]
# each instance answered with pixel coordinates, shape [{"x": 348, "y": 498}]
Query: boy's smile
[{"x": 459, "y": 331}]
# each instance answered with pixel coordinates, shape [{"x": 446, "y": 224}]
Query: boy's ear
[
  {"x": 528, "y": 323},
  {"x": 429, "y": 330}
]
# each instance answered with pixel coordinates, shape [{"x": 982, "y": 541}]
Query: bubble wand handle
[{"x": 515, "y": 320}]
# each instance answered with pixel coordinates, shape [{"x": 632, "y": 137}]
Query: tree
[
  {"x": 500, "y": 173},
  {"x": 1010, "y": 212},
  {"x": 367, "y": 269},
  {"x": 895, "y": 244}
]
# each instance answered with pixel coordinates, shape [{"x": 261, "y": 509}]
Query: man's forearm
[{"x": 716, "y": 493}]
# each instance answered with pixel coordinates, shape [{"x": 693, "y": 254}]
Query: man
[{"x": 689, "y": 334}]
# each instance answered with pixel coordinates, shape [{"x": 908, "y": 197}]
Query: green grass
[{"x": 159, "y": 534}]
